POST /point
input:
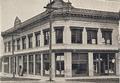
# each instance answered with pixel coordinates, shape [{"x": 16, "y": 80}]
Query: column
[
  {"x": 53, "y": 36},
  {"x": 21, "y": 46},
  {"x": 34, "y": 64},
  {"x": 34, "y": 40},
  {"x": 53, "y": 64},
  {"x": 27, "y": 64},
  {"x": 90, "y": 64},
  {"x": 84, "y": 36},
  {"x": 118, "y": 64},
  {"x": 41, "y": 64},
  {"x": 27, "y": 41},
  {"x": 17, "y": 66},
  {"x": 9, "y": 64},
  {"x": 2, "y": 64},
  {"x": 67, "y": 33},
  {"x": 68, "y": 64},
  {"x": 99, "y": 36},
  {"x": 42, "y": 39}
]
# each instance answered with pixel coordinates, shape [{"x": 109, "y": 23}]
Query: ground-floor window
[
  {"x": 25, "y": 64},
  {"x": 46, "y": 64},
  {"x": 13, "y": 64},
  {"x": 59, "y": 58},
  {"x": 79, "y": 64},
  {"x": 6, "y": 64},
  {"x": 104, "y": 63},
  {"x": 30, "y": 64},
  {"x": 37, "y": 64}
]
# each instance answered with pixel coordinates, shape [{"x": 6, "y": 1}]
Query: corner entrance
[{"x": 59, "y": 60}]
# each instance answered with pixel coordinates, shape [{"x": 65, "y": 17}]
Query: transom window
[
  {"x": 92, "y": 36},
  {"x": 76, "y": 35}
]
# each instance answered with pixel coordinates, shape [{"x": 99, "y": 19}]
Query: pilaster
[
  {"x": 84, "y": 36},
  {"x": 68, "y": 64},
  {"x": 42, "y": 39},
  {"x": 90, "y": 64},
  {"x": 99, "y": 36},
  {"x": 9, "y": 64},
  {"x": 17, "y": 66},
  {"x": 41, "y": 64},
  {"x": 34, "y": 41},
  {"x": 67, "y": 33},
  {"x": 53, "y": 65},
  {"x": 27, "y": 64},
  {"x": 34, "y": 64}
]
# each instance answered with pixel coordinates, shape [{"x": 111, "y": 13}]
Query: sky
[{"x": 26, "y": 9}]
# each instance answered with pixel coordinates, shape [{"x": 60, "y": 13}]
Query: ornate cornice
[{"x": 67, "y": 10}]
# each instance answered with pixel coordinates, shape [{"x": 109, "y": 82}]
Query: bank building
[{"x": 84, "y": 43}]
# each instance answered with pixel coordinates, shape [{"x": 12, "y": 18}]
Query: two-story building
[{"x": 84, "y": 43}]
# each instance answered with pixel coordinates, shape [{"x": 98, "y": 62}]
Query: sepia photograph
[{"x": 59, "y": 41}]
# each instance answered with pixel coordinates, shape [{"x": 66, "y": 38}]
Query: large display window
[
  {"x": 104, "y": 64},
  {"x": 79, "y": 64}
]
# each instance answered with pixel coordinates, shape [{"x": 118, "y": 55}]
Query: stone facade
[{"x": 35, "y": 60}]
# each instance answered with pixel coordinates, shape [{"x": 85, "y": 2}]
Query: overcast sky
[{"x": 26, "y": 9}]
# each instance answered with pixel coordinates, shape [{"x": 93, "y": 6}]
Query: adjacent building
[{"x": 84, "y": 43}]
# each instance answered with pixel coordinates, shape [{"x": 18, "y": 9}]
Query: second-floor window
[
  {"x": 46, "y": 36},
  {"x": 5, "y": 47},
  {"x": 9, "y": 46},
  {"x": 13, "y": 44},
  {"x": 24, "y": 42},
  {"x": 106, "y": 36},
  {"x": 18, "y": 44},
  {"x": 30, "y": 37},
  {"x": 59, "y": 35},
  {"x": 76, "y": 35},
  {"x": 92, "y": 36},
  {"x": 37, "y": 38}
]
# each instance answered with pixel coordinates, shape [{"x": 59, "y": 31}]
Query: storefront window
[
  {"x": 37, "y": 64},
  {"x": 104, "y": 63},
  {"x": 46, "y": 64},
  {"x": 30, "y": 64},
  {"x": 6, "y": 64},
  {"x": 13, "y": 64},
  {"x": 59, "y": 57},
  {"x": 79, "y": 64},
  {"x": 25, "y": 64}
]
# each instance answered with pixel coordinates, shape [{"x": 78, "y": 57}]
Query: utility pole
[
  {"x": 50, "y": 42},
  {"x": 50, "y": 11}
]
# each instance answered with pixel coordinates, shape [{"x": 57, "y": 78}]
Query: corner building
[{"x": 84, "y": 43}]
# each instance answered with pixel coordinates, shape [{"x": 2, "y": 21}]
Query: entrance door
[{"x": 59, "y": 64}]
